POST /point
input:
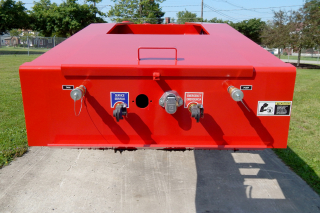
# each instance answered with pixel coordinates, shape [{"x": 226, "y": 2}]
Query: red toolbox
[{"x": 198, "y": 86}]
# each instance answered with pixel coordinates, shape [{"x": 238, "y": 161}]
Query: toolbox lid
[{"x": 125, "y": 49}]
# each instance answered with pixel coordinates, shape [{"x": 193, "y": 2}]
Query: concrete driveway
[{"x": 72, "y": 180}]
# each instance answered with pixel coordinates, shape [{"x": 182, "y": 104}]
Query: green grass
[
  {"x": 303, "y": 152},
  {"x": 21, "y": 50},
  {"x": 302, "y": 58},
  {"x": 13, "y": 139}
]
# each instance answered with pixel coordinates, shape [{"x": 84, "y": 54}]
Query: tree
[
  {"x": 94, "y": 1},
  {"x": 216, "y": 20},
  {"x": 14, "y": 32},
  {"x": 42, "y": 17},
  {"x": 275, "y": 33},
  {"x": 311, "y": 9},
  {"x": 65, "y": 19},
  {"x": 300, "y": 33},
  {"x": 12, "y": 15},
  {"x": 137, "y": 11},
  {"x": 251, "y": 28},
  {"x": 186, "y": 16}
]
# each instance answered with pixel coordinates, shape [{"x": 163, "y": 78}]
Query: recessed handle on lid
[{"x": 158, "y": 48}]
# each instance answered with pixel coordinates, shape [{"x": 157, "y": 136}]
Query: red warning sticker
[{"x": 193, "y": 97}]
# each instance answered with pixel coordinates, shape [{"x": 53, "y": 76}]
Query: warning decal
[
  {"x": 118, "y": 97},
  {"x": 193, "y": 97},
  {"x": 274, "y": 108}
]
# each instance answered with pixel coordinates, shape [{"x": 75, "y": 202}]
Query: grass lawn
[
  {"x": 302, "y": 58},
  {"x": 302, "y": 154},
  {"x": 13, "y": 139},
  {"x": 21, "y": 50}
]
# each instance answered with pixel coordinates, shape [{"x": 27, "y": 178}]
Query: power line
[
  {"x": 261, "y": 8},
  {"x": 220, "y": 13},
  {"x": 182, "y": 5},
  {"x": 225, "y": 1}
]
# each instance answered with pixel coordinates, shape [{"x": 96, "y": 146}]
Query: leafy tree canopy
[
  {"x": 276, "y": 32},
  {"x": 251, "y": 28},
  {"x": 137, "y": 11},
  {"x": 311, "y": 10},
  {"x": 12, "y": 15},
  {"x": 186, "y": 16},
  {"x": 65, "y": 19},
  {"x": 14, "y": 32}
]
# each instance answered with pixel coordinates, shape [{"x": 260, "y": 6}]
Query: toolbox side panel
[{"x": 51, "y": 118}]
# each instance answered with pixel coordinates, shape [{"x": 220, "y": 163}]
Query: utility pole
[{"x": 202, "y": 10}]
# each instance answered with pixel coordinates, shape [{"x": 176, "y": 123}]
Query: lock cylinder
[
  {"x": 236, "y": 95},
  {"x": 78, "y": 94},
  {"x": 170, "y": 100}
]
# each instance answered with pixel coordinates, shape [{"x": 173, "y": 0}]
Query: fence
[
  {"x": 309, "y": 56},
  {"x": 27, "y": 44}
]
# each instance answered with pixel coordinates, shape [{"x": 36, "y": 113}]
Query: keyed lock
[
  {"x": 78, "y": 94},
  {"x": 236, "y": 95}
]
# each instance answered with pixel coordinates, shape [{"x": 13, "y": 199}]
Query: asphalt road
[{"x": 72, "y": 180}]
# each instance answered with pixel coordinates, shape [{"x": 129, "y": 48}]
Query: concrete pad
[{"x": 72, "y": 180}]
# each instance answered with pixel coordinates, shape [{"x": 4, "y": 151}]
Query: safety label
[
  {"x": 274, "y": 108},
  {"x": 193, "y": 97},
  {"x": 67, "y": 87},
  {"x": 119, "y": 97},
  {"x": 246, "y": 87}
]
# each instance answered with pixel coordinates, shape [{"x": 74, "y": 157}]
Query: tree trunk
[
  {"x": 299, "y": 56},
  {"x": 279, "y": 54}
]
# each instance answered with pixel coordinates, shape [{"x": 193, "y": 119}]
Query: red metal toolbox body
[{"x": 199, "y": 62}]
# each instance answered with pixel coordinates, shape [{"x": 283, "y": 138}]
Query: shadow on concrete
[
  {"x": 300, "y": 167},
  {"x": 249, "y": 181}
]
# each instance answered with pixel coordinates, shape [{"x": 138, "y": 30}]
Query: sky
[{"x": 233, "y": 10}]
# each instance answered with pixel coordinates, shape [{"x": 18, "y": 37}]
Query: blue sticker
[{"x": 118, "y": 97}]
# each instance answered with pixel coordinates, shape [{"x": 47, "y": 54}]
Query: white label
[{"x": 274, "y": 108}]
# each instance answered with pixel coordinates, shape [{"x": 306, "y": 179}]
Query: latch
[
  {"x": 120, "y": 111},
  {"x": 196, "y": 111}
]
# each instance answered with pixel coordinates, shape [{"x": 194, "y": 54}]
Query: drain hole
[{"x": 142, "y": 101}]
